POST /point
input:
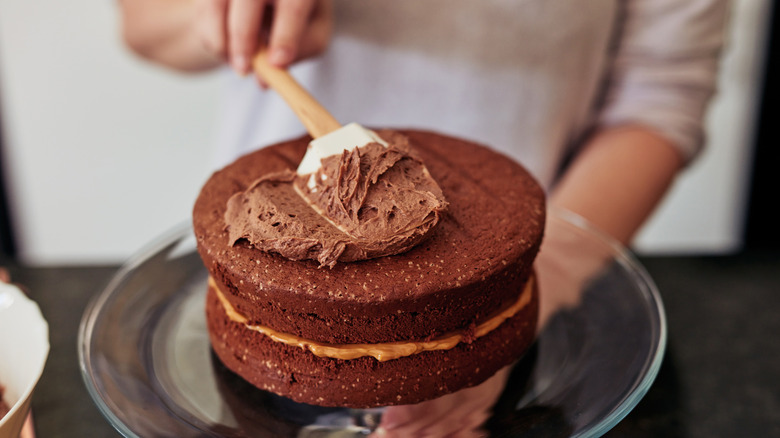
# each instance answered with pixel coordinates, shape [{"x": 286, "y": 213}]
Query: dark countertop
[{"x": 720, "y": 376}]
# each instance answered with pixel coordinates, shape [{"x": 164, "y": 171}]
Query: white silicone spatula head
[
  {"x": 330, "y": 138},
  {"x": 347, "y": 137}
]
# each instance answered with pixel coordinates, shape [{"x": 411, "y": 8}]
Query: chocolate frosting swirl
[{"x": 369, "y": 202}]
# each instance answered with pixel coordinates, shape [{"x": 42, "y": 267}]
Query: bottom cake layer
[{"x": 365, "y": 382}]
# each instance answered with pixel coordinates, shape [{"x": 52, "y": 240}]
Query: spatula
[{"x": 329, "y": 136}]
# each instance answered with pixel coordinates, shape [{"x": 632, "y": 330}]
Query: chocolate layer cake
[{"x": 400, "y": 329}]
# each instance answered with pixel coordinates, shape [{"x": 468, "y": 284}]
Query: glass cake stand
[{"x": 146, "y": 360}]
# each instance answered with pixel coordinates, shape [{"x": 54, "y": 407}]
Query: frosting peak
[{"x": 368, "y": 202}]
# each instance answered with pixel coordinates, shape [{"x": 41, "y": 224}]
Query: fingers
[
  {"x": 233, "y": 30},
  {"x": 398, "y": 420},
  {"x": 316, "y": 38},
  {"x": 211, "y": 27},
  {"x": 243, "y": 23},
  {"x": 291, "y": 20},
  {"x": 458, "y": 414},
  {"x": 422, "y": 419}
]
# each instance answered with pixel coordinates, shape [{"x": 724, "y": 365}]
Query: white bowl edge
[{"x": 24, "y": 348}]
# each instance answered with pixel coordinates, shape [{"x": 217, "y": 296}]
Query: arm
[
  {"x": 165, "y": 32},
  {"x": 647, "y": 128},
  {"x": 618, "y": 178},
  {"x": 649, "y": 125},
  {"x": 197, "y": 35},
  {"x": 615, "y": 182}
]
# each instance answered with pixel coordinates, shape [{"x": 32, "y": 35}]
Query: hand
[
  {"x": 567, "y": 260},
  {"x": 459, "y": 414},
  {"x": 233, "y": 30}
]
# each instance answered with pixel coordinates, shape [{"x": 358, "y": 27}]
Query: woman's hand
[
  {"x": 293, "y": 29},
  {"x": 195, "y": 35},
  {"x": 459, "y": 414}
]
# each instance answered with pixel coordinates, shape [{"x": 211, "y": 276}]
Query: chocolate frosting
[{"x": 368, "y": 202}]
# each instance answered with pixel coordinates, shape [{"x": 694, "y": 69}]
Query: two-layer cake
[{"x": 395, "y": 329}]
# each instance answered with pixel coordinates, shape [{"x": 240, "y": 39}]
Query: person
[
  {"x": 620, "y": 86},
  {"x": 602, "y": 100}
]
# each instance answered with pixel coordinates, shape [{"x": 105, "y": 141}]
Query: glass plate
[{"x": 146, "y": 360}]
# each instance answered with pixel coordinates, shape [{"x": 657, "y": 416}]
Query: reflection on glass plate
[{"x": 146, "y": 360}]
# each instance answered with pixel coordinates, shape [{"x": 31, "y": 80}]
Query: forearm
[
  {"x": 618, "y": 178},
  {"x": 164, "y": 32}
]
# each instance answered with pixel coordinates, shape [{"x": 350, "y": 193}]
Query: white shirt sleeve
[{"x": 664, "y": 69}]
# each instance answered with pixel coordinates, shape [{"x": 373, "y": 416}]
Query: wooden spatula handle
[{"x": 315, "y": 118}]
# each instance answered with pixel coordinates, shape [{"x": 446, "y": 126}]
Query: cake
[{"x": 445, "y": 314}]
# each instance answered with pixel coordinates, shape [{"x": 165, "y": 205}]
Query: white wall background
[{"x": 103, "y": 152}]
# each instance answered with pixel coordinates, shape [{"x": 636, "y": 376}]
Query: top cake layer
[{"x": 475, "y": 261}]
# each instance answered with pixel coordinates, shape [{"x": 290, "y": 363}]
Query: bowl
[{"x": 24, "y": 347}]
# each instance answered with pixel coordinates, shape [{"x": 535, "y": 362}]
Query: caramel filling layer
[{"x": 382, "y": 351}]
